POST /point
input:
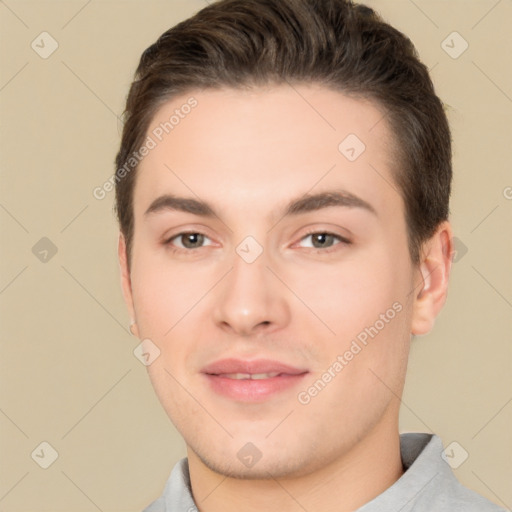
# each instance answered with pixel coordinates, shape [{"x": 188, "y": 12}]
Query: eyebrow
[
  {"x": 181, "y": 204},
  {"x": 304, "y": 204},
  {"x": 312, "y": 202}
]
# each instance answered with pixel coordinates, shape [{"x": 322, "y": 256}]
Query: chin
[
  {"x": 262, "y": 470},
  {"x": 267, "y": 463}
]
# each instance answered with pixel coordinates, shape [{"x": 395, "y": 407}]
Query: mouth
[
  {"x": 252, "y": 381},
  {"x": 245, "y": 376}
]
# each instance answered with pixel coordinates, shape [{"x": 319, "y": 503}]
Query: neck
[{"x": 355, "y": 478}]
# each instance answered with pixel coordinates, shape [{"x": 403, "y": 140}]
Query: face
[{"x": 270, "y": 267}]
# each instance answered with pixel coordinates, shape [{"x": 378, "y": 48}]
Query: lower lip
[{"x": 249, "y": 390}]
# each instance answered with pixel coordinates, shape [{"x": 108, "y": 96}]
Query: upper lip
[{"x": 256, "y": 366}]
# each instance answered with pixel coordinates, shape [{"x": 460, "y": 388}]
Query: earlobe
[
  {"x": 126, "y": 284},
  {"x": 434, "y": 272}
]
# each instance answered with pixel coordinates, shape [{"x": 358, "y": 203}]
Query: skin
[{"x": 248, "y": 154}]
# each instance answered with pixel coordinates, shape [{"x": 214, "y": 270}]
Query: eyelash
[
  {"x": 168, "y": 242},
  {"x": 341, "y": 241}
]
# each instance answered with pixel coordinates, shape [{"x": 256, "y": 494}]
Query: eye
[
  {"x": 322, "y": 240},
  {"x": 189, "y": 241}
]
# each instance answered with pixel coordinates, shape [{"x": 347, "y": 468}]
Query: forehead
[{"x": 265, "y": 143}]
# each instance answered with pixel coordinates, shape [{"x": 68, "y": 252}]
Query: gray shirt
[{"x": 427, "y": 485}]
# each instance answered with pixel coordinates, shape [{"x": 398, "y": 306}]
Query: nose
[{"x": 251, "y": 299}]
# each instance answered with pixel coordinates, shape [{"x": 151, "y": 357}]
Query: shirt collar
[{"x": 421, "y": 458}]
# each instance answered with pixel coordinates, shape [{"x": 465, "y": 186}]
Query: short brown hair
[{"x": 335, "y": 43}]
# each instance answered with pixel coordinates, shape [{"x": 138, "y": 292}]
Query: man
[{"x": 282, "y": 190}]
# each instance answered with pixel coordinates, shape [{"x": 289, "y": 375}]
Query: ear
[
  {"x": 126, "y": 283},
  {"x": 434, "y": 272}
]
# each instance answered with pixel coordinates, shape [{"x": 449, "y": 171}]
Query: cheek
[
  {"x": 163, "y": 295},
  {"x": 373, "y": 325},
  {"x": 350, "y": 295},
  {"x": 165, "y": 300},
  {"x": 366, "y": 303}
]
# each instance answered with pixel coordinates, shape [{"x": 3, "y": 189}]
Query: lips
[
  {"x": 251, "y": 381},
  {"x": 254, "y": 367},
  {"x": 253, "y": 376}
]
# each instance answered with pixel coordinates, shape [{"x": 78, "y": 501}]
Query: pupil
[
  {"x": 192, "y": 240},
  {"x": 321, "y": 240}
]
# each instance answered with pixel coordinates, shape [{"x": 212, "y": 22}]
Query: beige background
[{"x": 68, "y": 373}]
